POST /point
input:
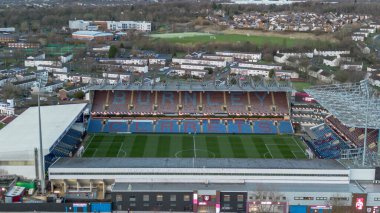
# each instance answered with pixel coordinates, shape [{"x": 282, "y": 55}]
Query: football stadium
[{"x": 200, "y": 147}]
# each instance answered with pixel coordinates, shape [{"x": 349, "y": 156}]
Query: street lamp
[{"x": 42, "y": 166}]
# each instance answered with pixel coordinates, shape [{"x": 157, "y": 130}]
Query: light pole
[{"x": 42, "y": 166}]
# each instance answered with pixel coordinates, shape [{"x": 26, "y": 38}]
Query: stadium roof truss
[
  {"x": 350, "y": 103},
  {"x": 246, "y": 83}
]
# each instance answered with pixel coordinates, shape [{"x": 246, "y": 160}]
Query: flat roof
[
  {"x": 198, "y": 163},
  {"x": 91, "y": 33},
  {"x": 236, "y": 187},
  {"x": 22, "y": 134}
]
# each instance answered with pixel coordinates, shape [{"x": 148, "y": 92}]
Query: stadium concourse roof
[
  {"x": 198, "y": 163},
  {"x": 22, "y": 135},
  {"x": 270, "y": 187}
]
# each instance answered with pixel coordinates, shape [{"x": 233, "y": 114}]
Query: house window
[
  {"x": 119, "y": 197},
  {"x": 377, "y": 199},
  {"x": 145, "y": 197},
  {"x": 173, "y": 197},
  {"x": 146, "y": 204},
  {"x": 226, "y": 198},
  {"x": 132, "y": 204},
  {"x": 132, "y": 198},
  {"x": 186, "y": 198},
  {"x": 159, "y": 198},
  {"x": 240, "y": 206},
  {"x": 240, "y": 198},
  {"x": 173, "y": 204},
  {"x": 119, "y": 207}
]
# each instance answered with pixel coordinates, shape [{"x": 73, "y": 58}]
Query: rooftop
[
  {"x": 198, "y": 163},
  {"x": 189, "y": 187},
  {"x": 91, "y": 33},
  {"x": 22, "y": 134}
]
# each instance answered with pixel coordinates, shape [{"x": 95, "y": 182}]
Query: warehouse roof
[{"x": 91, "y": 33}]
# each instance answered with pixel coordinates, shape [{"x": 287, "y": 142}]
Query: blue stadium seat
[
  {"x": 167, "y": 126},
  {"x": 141, "y": 126},
  {"x": 94, "y": 125},
  {"x": 328, "y": 144},
  {"x": 286, "y": 127},
  {"x": 70, "y": 140},
  {"x": 213, "y": 126},
  {"x": 116, "y": 126},
  {"x": 264, "y": 127},
  {"x": 74, "y": 133},
  {"x": 239, "y": 127},
  {"x": 191, "y": 126}
]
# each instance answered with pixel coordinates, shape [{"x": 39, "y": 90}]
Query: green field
[
  {"x": 300, "y": 86},
  {"x": 197, "y": 38},
  {"x": 201, "y": 145}
]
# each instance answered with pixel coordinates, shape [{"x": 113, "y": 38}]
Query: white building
[
  {"x": 332, "y": 61},
  {"x": 352, "y": 66},
  {"x": 36, "y": 63},
  {"x": 260, "y": 66},
  {"x": 52, "y": 68},
  {"x": 132, "y": 61},
  {"x": 250, "y": 71},
  {"x": 66, "y": 58},
  {"x": 78, "y": 24},
  {"x": 331, "y": 52},
  {"x": 7, "y": 108},
  {"x": 374, "y": 78},
  {"x": 129, "y": 25},
  {"x": 253, "y": 57},
  {"x": 217, "y": 63}
]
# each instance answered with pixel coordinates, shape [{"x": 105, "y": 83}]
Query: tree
[
  {"x": 79, "y": 95},
  {"x": 121, "y": 45},
  {"x": 272, "y": 73},
  {"x": 112, "y": 52},
  {"x": 10, "y": 91}
]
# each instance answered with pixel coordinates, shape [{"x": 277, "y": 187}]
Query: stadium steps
[
  {"x": 106, "y": 107},
  {"x": 278, "y": 129},
  {"x": 273, "y": 101}
]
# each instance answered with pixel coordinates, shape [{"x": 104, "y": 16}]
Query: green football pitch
[{"x": 188, "y": 146}]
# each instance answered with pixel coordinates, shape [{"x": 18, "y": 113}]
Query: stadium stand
[
  {"x": 167, "y": 102},
  {"x": 237, "y": 102},
  {"x": 143, "y": 102},
  {"x": 190, "y": 126},
  {"x": 167, "y": 126},
  {"x": 354, "y": 135},
  {"x": 99, "y": 101},
  {"x": 261, "y": 102},
  {"x": 264, "y": 127},
  {"x": 94, "y": 125},
  {"x": 173, "y": 102},
  {"x": 116, "y": 126},
  {"x": 189, "y": 102},
  {"x": 239, "y": 126},
  {"x": 281, "y": 102},
  {"x": 119, "y": 101},
  {"x": 286, "y": 127},
  {"x": 213, "y": 126},
  {"x": 141, "y": 126},
  {"x": 212, "y": 102},
  {"x": 328, "y": 144}
]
